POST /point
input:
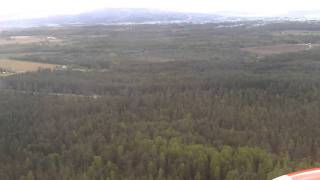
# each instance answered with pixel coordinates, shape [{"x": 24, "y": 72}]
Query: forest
[{"x": 161, "y": 102}]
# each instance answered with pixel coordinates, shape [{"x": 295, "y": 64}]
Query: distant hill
[
  {"x": 116, "y": 16},
  {"x": 150, "y": 16}
]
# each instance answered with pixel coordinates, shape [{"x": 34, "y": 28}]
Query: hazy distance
[{"x": 18, "y": 9}]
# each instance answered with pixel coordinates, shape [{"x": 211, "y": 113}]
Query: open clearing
[
  {"x": 24, "y": 66},
  {"x": 28, "y": 40},
  {"x": 279, "y": 49}
]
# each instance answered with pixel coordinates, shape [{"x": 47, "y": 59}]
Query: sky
[{"x": 17, "y": 9}]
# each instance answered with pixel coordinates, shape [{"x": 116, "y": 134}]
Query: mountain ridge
[{"x": 149, "y": 16}]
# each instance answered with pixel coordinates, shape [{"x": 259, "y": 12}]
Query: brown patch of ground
[
  {"x": 153, "y": 59},
  {"x": 24, "y": 66},
  {"x": 279, "y": 49}
]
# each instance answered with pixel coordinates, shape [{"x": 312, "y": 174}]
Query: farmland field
[
  {"x": 28, "y": 40},
  {"x": 24, "y": 66},
  {"x": 279, "y": 49},
  {"x": 298, "y": 33}
]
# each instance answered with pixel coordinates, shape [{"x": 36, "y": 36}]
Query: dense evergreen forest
[{"x": 161, "y": 102}]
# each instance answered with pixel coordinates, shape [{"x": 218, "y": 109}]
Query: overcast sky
[{"x": 13, "y": 9}]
